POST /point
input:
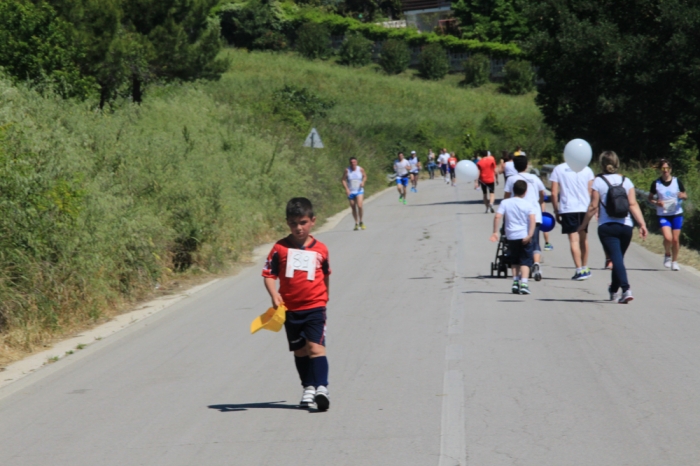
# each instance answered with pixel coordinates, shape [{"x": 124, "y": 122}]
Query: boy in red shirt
[
  {"x": 487, "y": 179},
  {"x": 301, "y": 264}
]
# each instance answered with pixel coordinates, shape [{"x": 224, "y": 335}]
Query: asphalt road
[{"x": 432, "y": 362}]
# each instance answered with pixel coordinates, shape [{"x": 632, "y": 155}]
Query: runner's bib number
[
  {"x": 670, "y": 206},
  {"x": 355, "y": 185},
  {"x": 305, "y": 261}
]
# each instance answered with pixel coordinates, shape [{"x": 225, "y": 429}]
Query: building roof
[{"x": 413, "y": 5}]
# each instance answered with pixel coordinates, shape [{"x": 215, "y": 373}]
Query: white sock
[
  {"x": 580, "y": 269},
  {"x": 524, "y": 280}
]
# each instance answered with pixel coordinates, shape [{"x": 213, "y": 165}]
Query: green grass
[{"x": 100, "y": 206}]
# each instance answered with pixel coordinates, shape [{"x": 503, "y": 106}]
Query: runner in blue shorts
[
  {"x": 666, "y": 193},
  {"x": 353, "y": 181},
  {"x": 402, "y": 168}
]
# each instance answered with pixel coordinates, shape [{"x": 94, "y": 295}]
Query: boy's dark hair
[
  {"x": 519, "y": 187},
  {"x": 352, "y": 158},
  {"x": 299, "y": 207},
  {"x": 520, "y": 163}
]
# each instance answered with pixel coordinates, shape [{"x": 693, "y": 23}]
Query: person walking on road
[
  {"x": 431, "y": 164},
  {"x": 507, "y": 167},
  {"x": 402, "y": 168},
  {"x": 615, "y": 193},
  {"x": 666, "y": 193},
  {"x": 519, "y": 226},
  {"x": 487, "y": 179},
  {"x": 571, "y": 196},
  {"x": 300, "y": 262},
  {"x": 452, "y": 167},
  {"x": 442, "y": 162},
  {"x": 415, "y": 171},
  {"x": 354, "y": 180},
  {"x": 534, "y": 195}
]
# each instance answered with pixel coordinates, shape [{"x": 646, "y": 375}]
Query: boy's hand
[
  {"x": 494, "y": 237},
  {"x": 276, "y": 300},
  {"x": 527, "y": 239}
]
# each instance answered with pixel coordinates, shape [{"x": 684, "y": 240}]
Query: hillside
[{"x": 100, "y": 206}]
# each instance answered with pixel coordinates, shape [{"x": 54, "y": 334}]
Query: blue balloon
[{"x": 548, "y": 222}]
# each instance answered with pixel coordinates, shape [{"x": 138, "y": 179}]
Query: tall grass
[{"x": 99, "y": 206}]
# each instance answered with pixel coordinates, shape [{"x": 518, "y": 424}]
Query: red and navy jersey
[{"x": 298, "y": 292}]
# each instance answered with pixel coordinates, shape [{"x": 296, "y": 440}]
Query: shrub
[
  {"x": 519, "y": 77},
  {"x": 477, "y": 70},
  {"x": 271, "y": 40},
  {"x": 313, "y": 41},
  {"x": 395, "y": 56},
  {"x": 433, "y": 62},
  {"x": 356, "y": 50},
  {"x": 243, "y": 25}
]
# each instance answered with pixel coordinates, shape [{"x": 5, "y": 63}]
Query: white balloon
[
  {"x": 467, "y": 171},
  {"x": 577, "y": 154}
]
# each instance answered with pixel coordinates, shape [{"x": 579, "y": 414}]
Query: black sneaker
[
  {"x": 536, "y": 274},
  {"x": 516, "y": 287}
]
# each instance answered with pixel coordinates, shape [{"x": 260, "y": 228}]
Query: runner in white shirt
[
  {"x": 442, "y": 162},
  {"x": 667, "y": 193},
  {"x": 535, "y": 195},
  {"x": 354, "y": 180},
  {"x": 415, "y": 170},
  {"x": 571, "y": 195},
  {"x": 402, "y": 168}
]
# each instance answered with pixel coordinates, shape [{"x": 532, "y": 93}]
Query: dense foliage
[
  {"x": 356, "y": 50},
  {"x": 118, "y": 44},
  {"x": 477, "y": 70},
  {"x": 395, "y": 56},
  {"x": 433, "y": 62},
  {"x": 492, "y": 20},
  {"x": 313, "y": 41},
  {"x": 620, "y": 73},
  {"x": 519, "y": 78}
]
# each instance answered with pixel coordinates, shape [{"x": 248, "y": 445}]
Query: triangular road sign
[{"x": 313, "y": 140}]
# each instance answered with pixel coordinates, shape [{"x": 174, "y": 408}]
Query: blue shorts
[
  {"x": 303, "y": 326},
  {"x": 675, "y": 222},
  {"x": 519, "y": 253},
  {"x": 403, "y": 180},
  {"x": 536, "y": 239},
  {"x": 352, "y": 196}
]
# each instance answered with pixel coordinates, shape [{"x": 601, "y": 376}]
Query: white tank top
[
  {"x": 414, "y": 163},
  {"x": 669, "y": 196},
  {"x": 510, "y": 169},
  {"x": 354, "y": 180}
]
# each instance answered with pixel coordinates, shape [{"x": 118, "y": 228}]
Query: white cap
[
  {"x": 413, "y": 152},
  {"x": 488, "y": 152}
]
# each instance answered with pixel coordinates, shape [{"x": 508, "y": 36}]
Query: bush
[
  {"x": 271, "y": 40},
  {"x": 395, "y": 56},
  {"x": 433, "y": 62},
  {"x": 519, "y": 77},
  {"x": 246, "y": 25},
  {"x": 477, "y": 70},
  {"x": 356, "y": 50},
  {"x": 313, "y": 41}
]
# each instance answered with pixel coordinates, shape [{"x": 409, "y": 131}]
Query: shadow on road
[
  {"x": 246, "y": 406},
  {"x": 574, "y": 300},
  {"x": 487, "y": 292},
  {"x": 475, "y": 202}
]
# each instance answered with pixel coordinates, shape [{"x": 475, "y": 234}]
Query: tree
[
  {"x": 492, "y": 20},
  {"x": 621, "y": 73},
  {"x": 39, "y": 47}
]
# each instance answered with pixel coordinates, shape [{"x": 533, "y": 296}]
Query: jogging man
[
  {"x": 487, "y": 179},
  {"x": 442, "y": 162},
  {"x": 415, "y": 170},
  {"x": 571, "y": 195},
  {"x": 402, "y": 168},
  {"x": 354, "y": 180}
]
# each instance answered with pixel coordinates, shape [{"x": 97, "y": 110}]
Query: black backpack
[{"x": 617, "y": 204}]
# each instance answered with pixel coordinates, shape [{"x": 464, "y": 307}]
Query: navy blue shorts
[
  {"x": 303, "y": 326},
  {"x": 519, "y": 253},
  {"x": 571, "y": 221},
  {"x": 536, "y": 239}
]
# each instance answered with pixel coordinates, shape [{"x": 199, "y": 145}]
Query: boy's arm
[
  {"x": 496, "y": 220},
  {"x": 530, "y": 229},
  {"x": 271, "y": 287},
  {"x": 327, "y": 281}
]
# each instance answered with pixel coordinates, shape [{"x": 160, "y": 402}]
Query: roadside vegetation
[{"x": 100, "y": 206}]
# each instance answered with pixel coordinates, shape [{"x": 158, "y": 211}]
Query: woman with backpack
[
  {"x": 614, "y": 199},
  {"x": 666, "y": 194}
]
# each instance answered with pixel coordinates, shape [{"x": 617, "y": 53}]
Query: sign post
[{"x": 313, "y": 140}]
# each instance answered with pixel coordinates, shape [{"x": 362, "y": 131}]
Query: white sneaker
[
  {"x": 675, "y": 267},
  {"x": 626, "y": 297},
  {"x": 667, "y": 261},
  {"x": 536, "y": 273},
  {"x": 307, "y": 399},
  {"x": 322, "y": 400}
]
